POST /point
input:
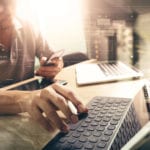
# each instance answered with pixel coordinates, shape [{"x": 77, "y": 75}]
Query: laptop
[
  {"x": 104, "y": 71},
  {"x": 110, "y": 123}
]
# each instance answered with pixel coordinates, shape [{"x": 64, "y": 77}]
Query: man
[{"x": 19, "y": 45}]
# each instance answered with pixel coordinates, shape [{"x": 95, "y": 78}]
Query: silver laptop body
[{"x": 91, "y": 73}]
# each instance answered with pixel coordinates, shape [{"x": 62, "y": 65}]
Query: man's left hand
[{"x": 50, "y": 70}]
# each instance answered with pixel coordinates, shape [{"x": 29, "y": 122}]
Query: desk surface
[{"x": 19, "y": 132}]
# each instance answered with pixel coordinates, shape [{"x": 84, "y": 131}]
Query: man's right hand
[{"x": 44, "y": 106}]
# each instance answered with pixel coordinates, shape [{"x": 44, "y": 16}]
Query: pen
[{"x": 72, "y": 108}]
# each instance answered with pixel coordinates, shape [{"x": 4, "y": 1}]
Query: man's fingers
[
  {"x": 47, "y": 71},
  {"x": 59, "y": 101},
  {"x": 69, "y": 94},
  {"x": 51, "y": 114},
  {"x": 43, "y": 60},
  {"x": 66, "y": 110},
  {"x": 38, "y": 117},
  {"x": 48, "y": 74}
]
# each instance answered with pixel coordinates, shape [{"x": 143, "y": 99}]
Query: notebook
[
  {"x": 91, "y": 73},
  {"x": 110, "y": 123}
]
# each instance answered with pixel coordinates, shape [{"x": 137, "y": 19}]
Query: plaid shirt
[{"x": 26, "y": 45}]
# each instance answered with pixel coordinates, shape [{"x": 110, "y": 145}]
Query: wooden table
[{"x": 20, "y": 132}]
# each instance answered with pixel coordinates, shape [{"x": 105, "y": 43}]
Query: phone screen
[{"x": 49, "y": 64}]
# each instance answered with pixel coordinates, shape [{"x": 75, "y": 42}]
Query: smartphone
[
  {"x": 49, "y": 64},
  {"x": 57, "y": 54}
]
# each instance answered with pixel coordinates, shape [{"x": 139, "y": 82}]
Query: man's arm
[
  {"x": 43, "y": 52},
  {"x": 42, "y": 105},
  {"x": 13, "y": 102}
]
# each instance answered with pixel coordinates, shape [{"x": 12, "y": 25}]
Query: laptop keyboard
[
  {"x": 115, "y": 68},
  {"x": 101, "y": 128}
]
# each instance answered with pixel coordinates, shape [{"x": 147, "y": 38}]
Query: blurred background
[
  {"x": 61, "y": 22},
  {"x": 105, "y": 30}
]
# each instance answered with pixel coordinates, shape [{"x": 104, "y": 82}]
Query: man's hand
[
  {"x": 49, "y": 71},
  {"x": 43, "y": 107}
]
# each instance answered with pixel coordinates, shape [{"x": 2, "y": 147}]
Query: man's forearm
[
  {"x": 13, "y": 102},
  {"x": 10, "y": 109}
]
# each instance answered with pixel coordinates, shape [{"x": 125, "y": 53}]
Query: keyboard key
[
  {"x": 108, "y": 132},
  {"x": 88, "y": 120},
  {"x": 80, "y": 129},
  {"x": 76, "y": 134},
  {"x": 84, "y": 124},
  {"x": 88, "y": 145},
  {"x": 97, "y": 119},
  {"x": 78, "y": 145},
  {"x": 116, "y": 118},
  {"x": 100, "y": 128},
  {"x": 101, "y": 145},
  {"x": 82, "y": 139},
  {"x": 113, "y": 122},
  {"x": 97, "y": 133},
  {"x": 105, "y": 138},
  {"x": 90, "y": 128},
  {"x": 111, "y": 127},
  {"x": 87, "y": 133},
  {"x": 93, "y": 139},
  {"x": 94, "y": 123},
  {"x": 91, "y": 116},
  {"x": 106, "y": 119},
  {"x": 100, "y": 115},
  {"x": 103, "y": 123},
  {"x": 71, "y": 140},
  {"x": 74, "y": 126}
]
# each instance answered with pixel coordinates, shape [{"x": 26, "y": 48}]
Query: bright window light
[
  {"x": 56, "y": 18},
  {"x": 57, "y": 11}
]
